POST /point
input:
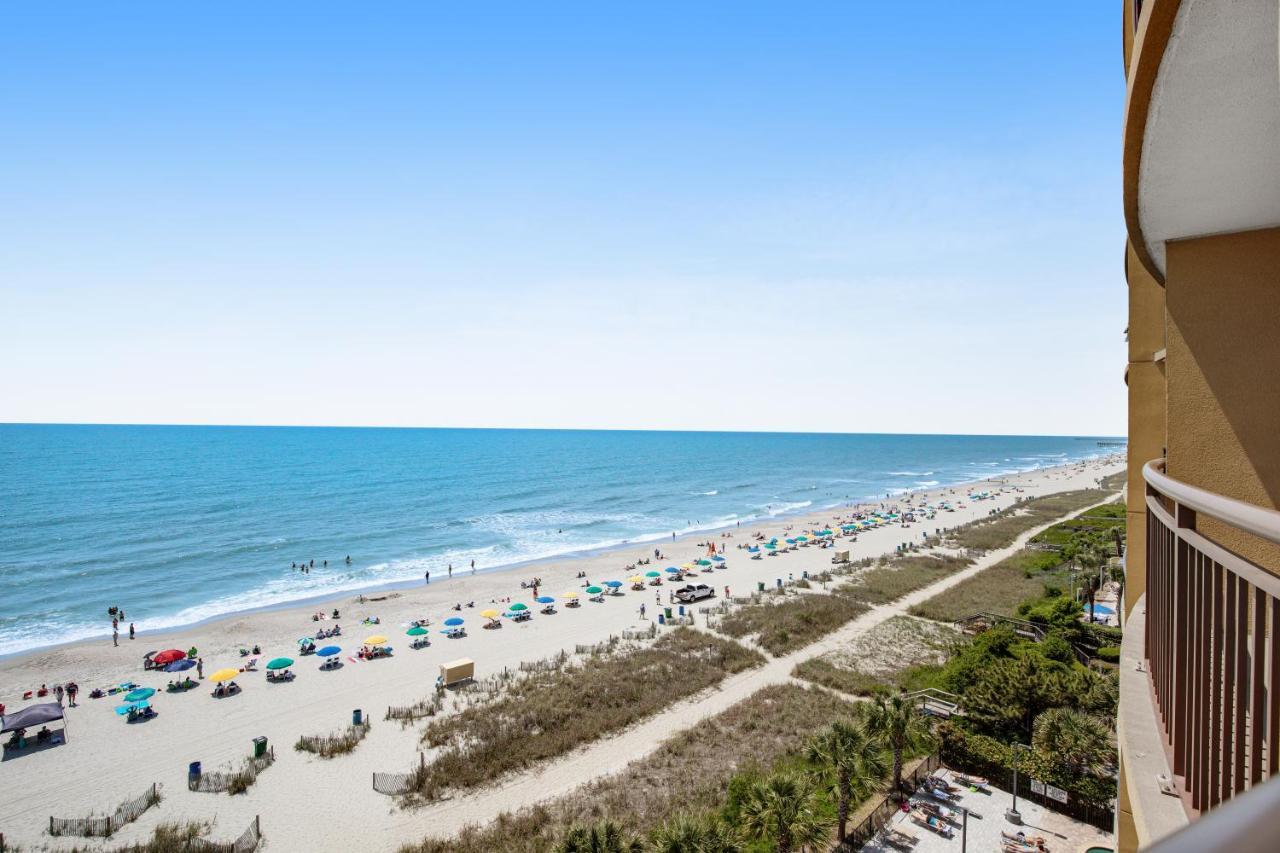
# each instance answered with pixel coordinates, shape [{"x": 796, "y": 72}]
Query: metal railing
[{"x": 1212, "y": 641}]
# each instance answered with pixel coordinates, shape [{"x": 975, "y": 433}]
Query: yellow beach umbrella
[
  {"x": 224, "y": 675},
  {"x": 489, "y": 614},
  {"x": 689, "y": 566},
  {"x": 375, "y": 640},
  {"x": 636, "y": 579},
  {"x": 570, "y": 595}
]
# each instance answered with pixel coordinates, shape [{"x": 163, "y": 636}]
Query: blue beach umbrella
[
  {"x": 140, "y": 694},
  {"x": 328, "y": 651},
  {"x": 672, "y": 569},
  {"x": 454, "y": 621},
  {"x": 132, "y": 706},
  {"x": 753, "y": 549},
  {"x": 613, "y": 584},
  {"x": 545, "y": 599},
  {"x": 180, "y": 665},
  {"x": 717, "y": 558}
]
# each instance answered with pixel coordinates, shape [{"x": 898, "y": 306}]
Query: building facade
[{"x": 1200, "y": 670}]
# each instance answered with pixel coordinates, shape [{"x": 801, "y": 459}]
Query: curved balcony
[{"x": 1212, "y": 642}]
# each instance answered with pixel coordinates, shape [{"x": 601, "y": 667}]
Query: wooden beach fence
[
  {"x": 106, "y": 825},
  {"x": 246, "y": 843},
  {"x": 395, "y": 784}
]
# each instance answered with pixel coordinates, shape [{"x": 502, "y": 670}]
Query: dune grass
[
  {"x": 550, "y": 713},
  {"x": 863, "y": 668},
  {"x": 792, "y": 622},
  {"x": 899, "y": 576},
  {"x": 999, "y": 530},
  {"x": 999, "y": 589},
  {"x": 333, "y": 745},
  {"x": 688, "y": 773}
]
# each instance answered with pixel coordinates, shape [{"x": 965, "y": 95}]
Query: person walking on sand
[
  {"x": 72, "y": 690},
  {"x": 57, "y": 692},
  {"x": 473, "y": 567},
  {"x": 200, "y": 668},
  {"x": 428, "y": 576},
  {"x": 115, "y": 636},
  {"x": 131, "y": 632},
  {"x": 642, "y": 610}
]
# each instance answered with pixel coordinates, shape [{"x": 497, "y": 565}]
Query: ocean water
[{"x": 180, "y": 524}]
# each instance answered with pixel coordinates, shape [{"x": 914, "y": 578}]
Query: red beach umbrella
[{"x": 167, "y": 656}]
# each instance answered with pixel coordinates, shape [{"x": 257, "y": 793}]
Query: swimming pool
[{"x": 1100, "y": 610}]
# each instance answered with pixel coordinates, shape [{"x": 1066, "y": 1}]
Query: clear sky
[{"x": 846, "y": 216}]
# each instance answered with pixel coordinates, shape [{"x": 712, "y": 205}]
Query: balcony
[{"x": 1212, "y": 643}]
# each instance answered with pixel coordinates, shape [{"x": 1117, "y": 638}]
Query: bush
[
  {"x": 793, "y": 622},
  {"x": 1110, "y": 654},
  {"x": 898, "y": 576}
]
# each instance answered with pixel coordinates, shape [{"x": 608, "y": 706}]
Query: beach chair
[
  {"x": 900, "y": 838},
  {"x": 931, "y": 823},
  {"x": 972, "y": 781}
]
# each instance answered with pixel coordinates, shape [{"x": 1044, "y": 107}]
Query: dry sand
[{"x": 312, "y": 804}]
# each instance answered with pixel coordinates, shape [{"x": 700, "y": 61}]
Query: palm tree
[
  {"x": 601, "y": 838},
  {"x": 686, "y": 834},
  {"x": 898, "y": 727},
  {"x": 784, "y": 809},
  {"x": 851, "y": 763},
  {"x": 1077, "y": 743}
]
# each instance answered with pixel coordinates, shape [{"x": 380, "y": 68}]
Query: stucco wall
[{"x": 1223, "y": 371}]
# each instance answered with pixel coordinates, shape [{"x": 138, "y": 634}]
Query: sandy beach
[{"x": 312, "y": 804}]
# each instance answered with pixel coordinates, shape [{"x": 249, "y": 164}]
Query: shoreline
[
  {"x": 107, "y": 760},
  {"x": 578, "y": 555}
]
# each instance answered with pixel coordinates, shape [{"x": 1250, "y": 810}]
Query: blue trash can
[
  {"x": 193, "y": 770},
  {"x": 356, "y": 716},
  {"x": 661, "y": 621},
  {"x": 779, "y": 581},
  {"x": 681, "y": 609}
]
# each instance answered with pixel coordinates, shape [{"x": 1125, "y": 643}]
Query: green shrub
[{"x": 1110, "y": 654}]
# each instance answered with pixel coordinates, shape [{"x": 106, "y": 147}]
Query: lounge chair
[
  {"x": 930, "y": 822},
  {"x": 972, "y": 781},
  {"x": 900, "y": 838}
]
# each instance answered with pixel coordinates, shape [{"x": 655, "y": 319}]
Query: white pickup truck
[{"x": 694, "y": 592}]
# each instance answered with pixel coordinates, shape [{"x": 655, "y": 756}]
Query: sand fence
[{"x": 107, "y": 825}]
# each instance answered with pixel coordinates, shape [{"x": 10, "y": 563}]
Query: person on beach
[
  {"x": 115, "y": 636},
  {"x": 57, "y": 692},
  {"x": 131, "y": 632},
  {"x": 72, "y": 690},
  {"x": 473, "y": 567},
  {"x": 642, "y": 610},
  {"x": 428, "y": 576},
  {"x": 200, "y": 668},
  {"x": 451, "y": 570}
]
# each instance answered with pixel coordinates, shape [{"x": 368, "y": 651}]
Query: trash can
[
  {"x": 355, "y": 717},
  {"x": 259, "y": 746},
  {"x": 681, "y": 610},
  {"x": 760, "y": 586},
  {"x": 806, "y": 575},
  {"x": 193, "y": 770},
  {"x": 779, "y": 582},
  {"x": 668, "y": 611},
  {"x": 661, "y": 621}
]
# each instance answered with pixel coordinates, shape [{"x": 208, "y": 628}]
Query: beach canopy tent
[
  {"x": 33, "y": 715},
  {"x": 167, "y": 656}
]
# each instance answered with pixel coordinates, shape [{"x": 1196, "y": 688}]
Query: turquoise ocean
[{"x": 181, "y": 524}]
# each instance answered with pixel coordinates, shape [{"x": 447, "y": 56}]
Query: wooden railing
[{"x": 1212, "y": 641}]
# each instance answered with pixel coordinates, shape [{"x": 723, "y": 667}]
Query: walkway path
[{"x": 612, "y": 754}]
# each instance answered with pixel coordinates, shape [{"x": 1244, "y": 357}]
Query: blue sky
[{"x": 798, "y": 216}]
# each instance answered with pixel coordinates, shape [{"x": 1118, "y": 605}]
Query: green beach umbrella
[
  {"x": 594, "y": 590},
  {"x": 280, "y": 663},
  {"x": 704, "y": 562},
  {"x": 518, "y": 606},
  {"x": 416, "y": 631},
  {"x": 653, "y": 574}
]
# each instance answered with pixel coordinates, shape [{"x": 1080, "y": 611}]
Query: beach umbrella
[
  {"x": 305, "y": 641},
  {"x": 653, "y": 574},
  {"x": 672, "y": 569},
  {"x": 791, "y": 541},
  {"x": 511, "y": 614},
  {"x": 545, "y": 599},
  {"x": 518, "y": 606},
  {"x": 454, "y": 621},
  {"x": 416, "y": 631},
  {"x": 802, "y": 538},
  {"x": 180, "y": 665},
  {"x": 489, "y": 614},
  {"x": 375, "y": 640},
  {"x": 594, "y": 590},
  {"x": 328, "y": 651},
  {"x": 132, "y": 706},
  {"x": 280, "y": 663},
  {"x": 613, "y": 584},
  {"x": 753, "y": 549},
  {"x": 139, "y": 694},
  {"x": 704, "y": 562},
  {"x": 717, "y": 558},
  {"x": 224, "y": 675},
  {"x": 772, "y": 546},
  {"x": 636, "y": 579},
  {"x": 167, "y": 656},
  {"x": 571, "y": 595}
]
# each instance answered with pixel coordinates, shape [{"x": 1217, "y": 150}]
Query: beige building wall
[
  {"x": 1223, "y": 369},
  {"x": 1146, "y": 378}
]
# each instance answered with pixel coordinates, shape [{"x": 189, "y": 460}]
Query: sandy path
[{"x": 613, "y": 754}]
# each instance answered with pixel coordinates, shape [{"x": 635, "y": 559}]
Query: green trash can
[
  {"x": 259, "y": 746},
  {"x": 759, "y": 586},
  {"x": 668, "y": 610}
]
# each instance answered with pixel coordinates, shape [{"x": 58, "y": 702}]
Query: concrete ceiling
[{"x": 1211, "y": 149}]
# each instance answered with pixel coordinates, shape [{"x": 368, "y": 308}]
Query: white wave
[
  {"x": 925, "y": 484},
  {"x": 911, "y": 473},
  {"x": 707, "y": 494},
  {"x": 775, "y": 510}
]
